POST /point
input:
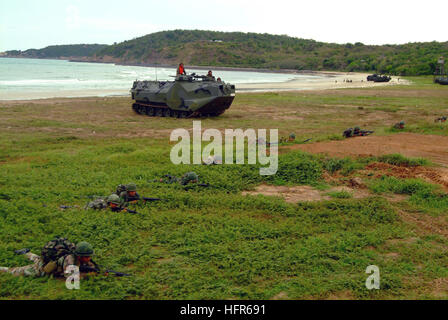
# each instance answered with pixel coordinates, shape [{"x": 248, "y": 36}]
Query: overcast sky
[{"x": 36, "y": 24}]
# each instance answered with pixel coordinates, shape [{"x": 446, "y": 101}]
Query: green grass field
[{"x": 214, "y": 243}]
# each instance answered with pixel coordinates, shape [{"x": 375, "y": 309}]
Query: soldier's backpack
[
  {"x": 348, "y": 133},
  {"x": 96, "y": 204},
  {"x": 57, "y": 248},
  {"x": 120, "y": 188}
]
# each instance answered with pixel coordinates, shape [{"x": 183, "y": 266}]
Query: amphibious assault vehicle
[
  {"x": 187, "y": 96},
  {"x": 441, "y": 80},
  {"x": 378, "y": 78},
  {"x": 440, "y": 76}
]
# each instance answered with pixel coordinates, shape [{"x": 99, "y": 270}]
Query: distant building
[{"x": 215, "y": 40}]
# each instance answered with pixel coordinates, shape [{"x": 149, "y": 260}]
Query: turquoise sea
[{"x": 38, "y": 78}]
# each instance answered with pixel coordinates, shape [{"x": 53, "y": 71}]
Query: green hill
[
  {"x": 72, "y": 50},
  {"x": 237, "y": 49},
  {"x": 254, "y": 50}
]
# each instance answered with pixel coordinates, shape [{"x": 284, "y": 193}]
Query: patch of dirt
[
  {"x": 433, "y": 175},
  {"x": 280, "y": 296},
  {"x": 426, "y": 224},
  {"x": 287, "y": 116},
  {"x": 165, "y": 260},
  {"x": 303, "y": 193},
  {"x": 392, "y": 255},
  {"x": 356, "y": 193},
  {"x": 331, "y": 178},
  {"x": 290, "y": 194},
  {"x": 432, "y": 147},
  {"x": 439, "y": 287},
  {"x": 401, "y": 241},
  {"x": 341, "y": 295}
]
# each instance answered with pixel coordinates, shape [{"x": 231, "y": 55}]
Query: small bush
[
  {"x": 346, "y": 165},
  {"x": 401, "y": 186},
  {"x": 340, "y": 194},
  {"x": 297, "y": 168},
  {"x": 399, "y": 160}
]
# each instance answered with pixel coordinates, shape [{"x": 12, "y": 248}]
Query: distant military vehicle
[
  {"x": 187, "y": 96},
  {"x": 439, "y": 76},
  {"x": 378, "y": 78},
  {"x": 441, "y": 80}
]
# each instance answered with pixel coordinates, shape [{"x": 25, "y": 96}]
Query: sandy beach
[
  {"x": 332, "y": 80},
  {"x": 325, "y": 81}
]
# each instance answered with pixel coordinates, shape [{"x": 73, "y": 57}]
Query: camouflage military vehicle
[
  {"x": 378, "y": 78},
  {"x": 441, "y": 80},
  {"x": 187, "y": 96},
  {"x": 439, "y": 76}
]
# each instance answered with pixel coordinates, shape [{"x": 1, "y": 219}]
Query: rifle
[
  {"x": 22, "y": 251},
  {"x": 153, "y": 199},
  {"x": 193, "y": 185},
  {"x": 67, "y": 207},
  {"x": 204, "y": 185},
  {"x": 129, "y": 210},
  {"x": 365, "y": 132},
  {"x": 88, "y": 269},
  {"x": 117, "y": 273}
]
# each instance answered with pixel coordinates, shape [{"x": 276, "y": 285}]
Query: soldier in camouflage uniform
[
  {"x": 32, "y": 270},
  {"x": 399, "y": 125},
  {"x": 348, "y": 133},
  {"x": 189, "y": 177},
  {"x": 104, "y": 203},
  {"x": 64, "y": 253},
  {"x": 188, "y": 180},
  {"x": 129, "y": 195},
  {"x": 114, "y": 203},
  {"x": 292, "y": 137}
]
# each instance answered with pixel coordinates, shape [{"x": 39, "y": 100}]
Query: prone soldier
[
  {"x": 57, "y": 255},
  {"x": 399, "y": 125}
]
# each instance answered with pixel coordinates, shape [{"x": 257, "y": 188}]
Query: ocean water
[{"x": 37, "y": 78}]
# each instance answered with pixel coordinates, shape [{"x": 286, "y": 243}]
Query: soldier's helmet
[
  {"x": 357, "y": 128},
  {"x": 189, "y": 177},
  {"x": 401, "y": 122},
  {"x": 84, "y": 249},
  {"x": 131, "y": 187},
  {"x": 292, "y": 135},
  {"x": 113, "y": 198}
]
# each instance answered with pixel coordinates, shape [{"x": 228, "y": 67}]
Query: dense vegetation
[
  {"x": 237, "y": 49},
  {"x": 73, "y": 50}
]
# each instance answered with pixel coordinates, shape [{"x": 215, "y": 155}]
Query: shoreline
[
  {"x": 324, "y": 80},
  {"x": 336, "y": 82},
  {"x": 153, "y": 65}
]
